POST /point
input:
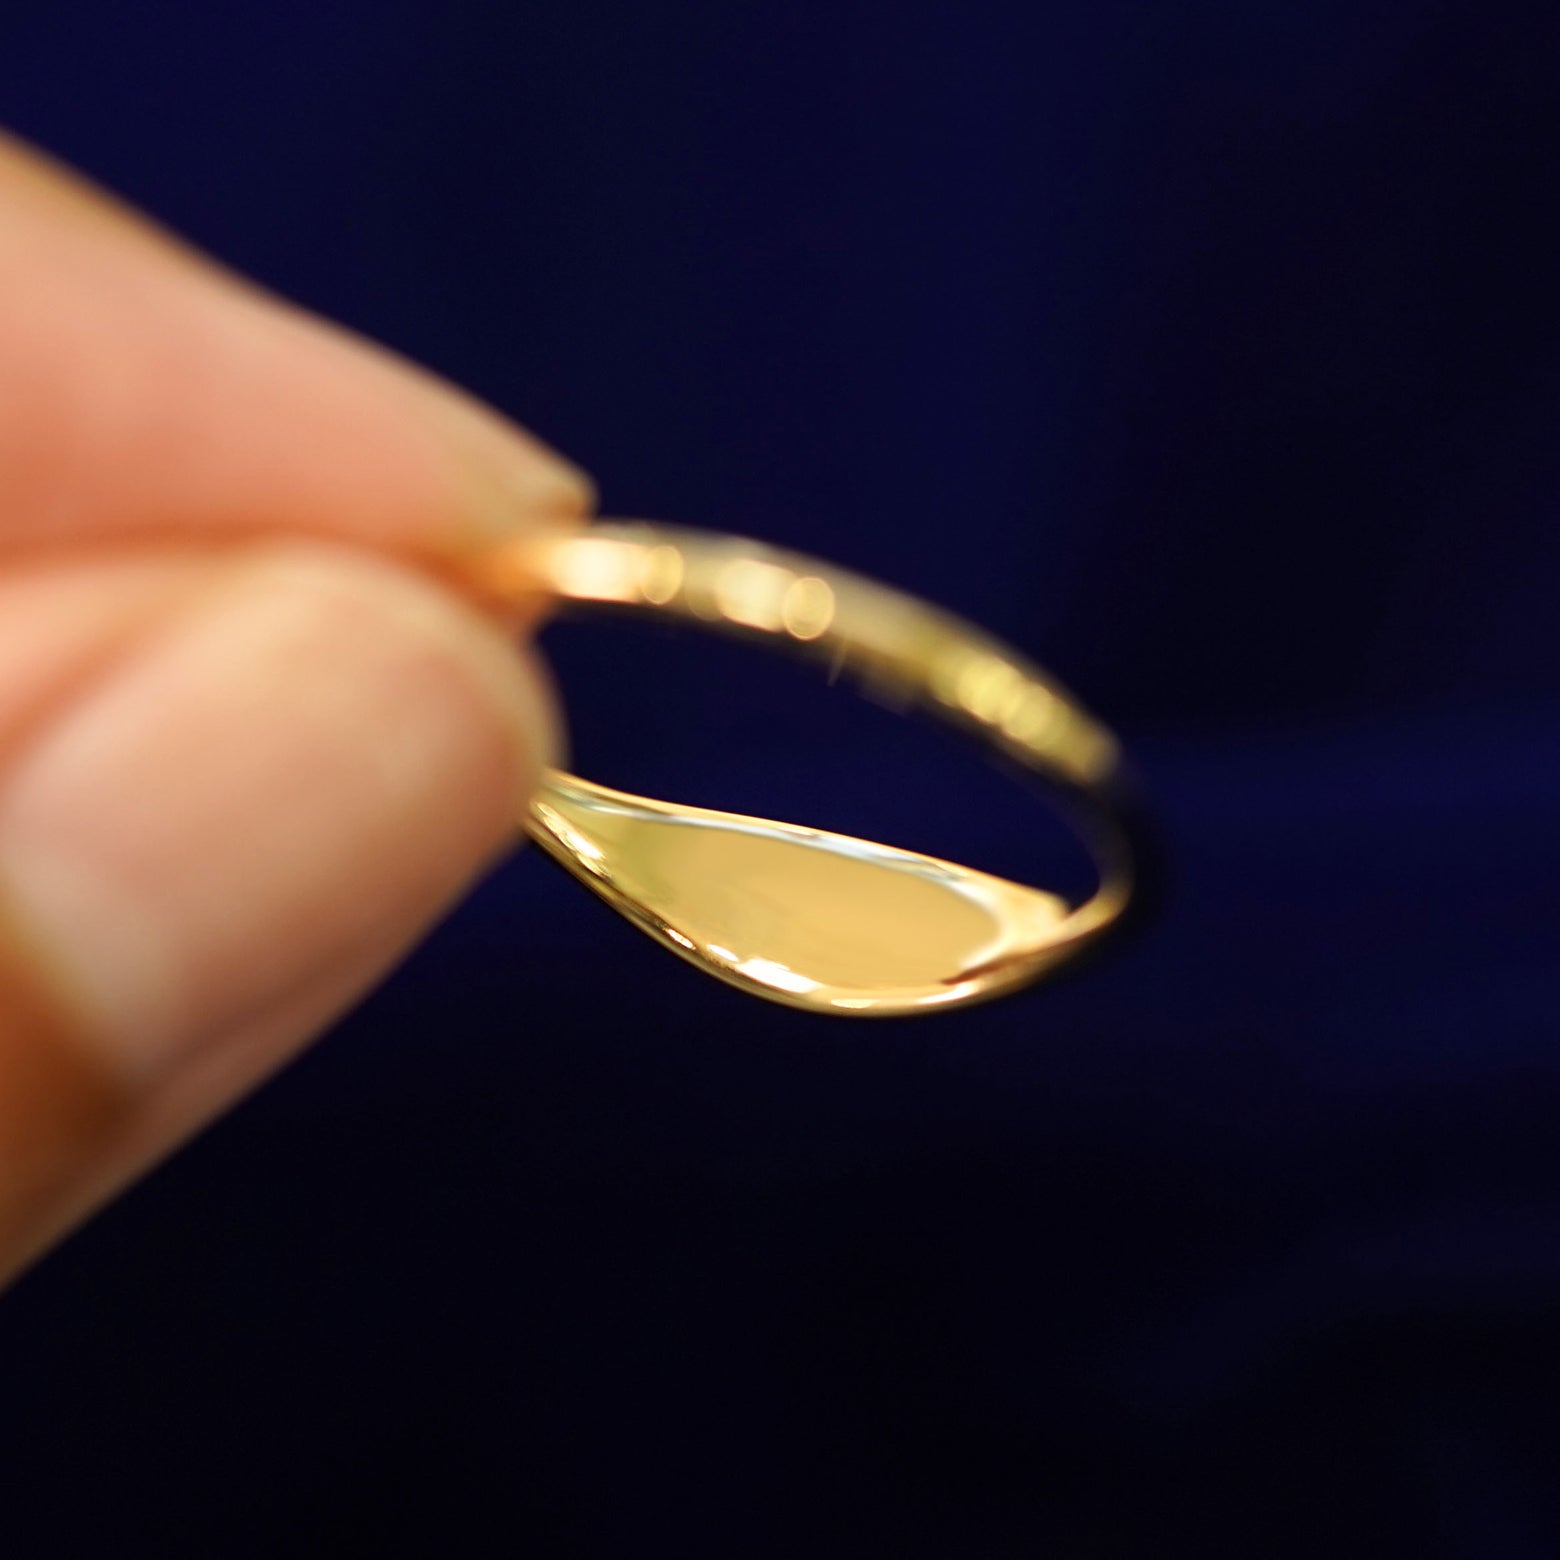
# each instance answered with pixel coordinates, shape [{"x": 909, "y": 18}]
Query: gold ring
[{"x": 816, "y": 920}]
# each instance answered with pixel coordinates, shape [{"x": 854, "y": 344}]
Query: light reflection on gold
[
  {"x": 753, "y": 593},
  {"x": 1032, "y": 714},
  {"x": 813, "y": 919},
  {"x": 769, "y": 972},
  {"x": 660, "y": 574},
  {"x": 987, "y": 686},
  {"x": 945, "y": 674},
  {"x": 593, "y": 568},
  {"x": 808, "y": 607},
  {"x": 581, "y": 846}
]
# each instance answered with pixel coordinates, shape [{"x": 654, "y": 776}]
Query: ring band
[{"x": 909, "y": 655}]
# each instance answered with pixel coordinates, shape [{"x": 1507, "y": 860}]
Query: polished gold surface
[
  {"x": 804, "y": 917},
  {"x": 812, "y": 919}
]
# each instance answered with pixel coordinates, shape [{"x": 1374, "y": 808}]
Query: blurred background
[{"x": 1209, "y": 350}]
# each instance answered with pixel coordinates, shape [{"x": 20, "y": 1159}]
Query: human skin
[{"x": 254, "y": 736}]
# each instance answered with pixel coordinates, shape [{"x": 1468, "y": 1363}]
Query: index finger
[{"x": 145, "y": 393}]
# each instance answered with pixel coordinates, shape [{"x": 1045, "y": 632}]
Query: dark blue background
[{"x": 1208, "y": 348}]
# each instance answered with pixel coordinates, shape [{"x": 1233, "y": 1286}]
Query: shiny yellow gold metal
[{"x": 816, "y": 920}]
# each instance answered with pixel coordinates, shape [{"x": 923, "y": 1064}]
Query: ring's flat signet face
[{"x": 817, "y": 920}]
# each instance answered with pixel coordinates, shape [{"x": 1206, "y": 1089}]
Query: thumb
[{"x": 241, "y": 785}]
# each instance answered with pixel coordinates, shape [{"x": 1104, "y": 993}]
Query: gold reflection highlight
[
  {"x": 805, "y": 917},
  {"x": 1032, "y": 715},
  {"x": 597, "y": 569},
  {"x": 988, "y": 686},
  {"x": 808, "y": 607},
  {"x": 660, "y": 574},
  {"x": 753, "y": 593}
]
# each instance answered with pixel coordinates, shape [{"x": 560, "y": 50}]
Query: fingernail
[{"x": 303, "y": 768}]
